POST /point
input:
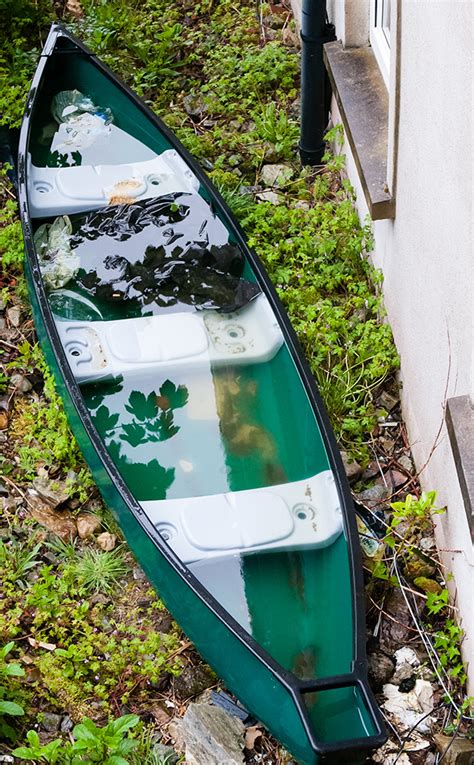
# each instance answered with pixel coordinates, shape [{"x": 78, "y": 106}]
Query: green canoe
[{"x": 193, "y": 406}]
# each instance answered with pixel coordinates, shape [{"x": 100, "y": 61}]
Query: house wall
[{"x": 426, "y": 253}]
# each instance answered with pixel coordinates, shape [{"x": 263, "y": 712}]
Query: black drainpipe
[{"x": 315, "y": 87}]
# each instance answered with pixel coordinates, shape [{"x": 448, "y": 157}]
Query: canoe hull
[{"x": 272, "y": 694}]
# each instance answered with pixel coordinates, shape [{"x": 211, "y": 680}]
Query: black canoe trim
[{"x": 357, "y": 678}]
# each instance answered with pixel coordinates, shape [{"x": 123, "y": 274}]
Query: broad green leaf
[
  {"x": 6, "y": 649},
  {"x": 14, "y": 670},
  {"x": 10, "y": 708},
  {"x": 115, "y": 759},
  {"x": 124, "y": 723}
]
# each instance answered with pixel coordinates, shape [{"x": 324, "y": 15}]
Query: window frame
[{"x": 379, "y": 40}]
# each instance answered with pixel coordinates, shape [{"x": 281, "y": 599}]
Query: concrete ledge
[
  {"x": 460, "y": 424},
  {"x": 362, "y": 99}
]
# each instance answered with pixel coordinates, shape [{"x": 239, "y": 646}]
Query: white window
[{"x": 380, "y": 35}]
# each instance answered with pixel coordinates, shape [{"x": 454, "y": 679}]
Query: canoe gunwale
[{"x": 357, "y": 678}]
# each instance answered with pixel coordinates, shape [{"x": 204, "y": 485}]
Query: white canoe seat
[
  {"x": 67, "y": 190},
  {"x": 289, "y": 516},
  {"x": 98, "y": 350}
]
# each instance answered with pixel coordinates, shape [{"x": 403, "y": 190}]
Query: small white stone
[{"x": 406, "y": 655}]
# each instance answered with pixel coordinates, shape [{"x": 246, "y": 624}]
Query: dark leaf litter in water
[{"x": 161, "y": 252}]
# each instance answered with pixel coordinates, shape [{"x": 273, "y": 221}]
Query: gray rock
[
  {"x": 460, "y": 751},
  {"x": 374, "y": 497},
  {"x": 395, "y": 631},
  {"x": 53, "y": 492},
  {"x": 192, "y": 681},
  {"x": 66, "y": 724},
  {"x": 51, "y": 722},
  {"x": 270, "y": 152},
  {"x": 248, "y": 190},
  {"x": 381, "y": 668},
  {"x": 165, "y": 754},
  {"x": 393, "y": 478},
  {"x": 209, "y": 736},
  {"x": 270, "y": 196},
  {"x": 372, "y": 470},
  {"x": 138, "y": 574},
  {"x": 13, "y": 315},
  {"x": 427, "y": 544},
  {"x": 235, "y": 160},
  {"x": 404, "y": 672},
  {"x": 194, "y": 106},
  {"x": 248, "y": 126},
  {"x": 352, "y": 468},
  {"x": 20, "y": 383},
  {"x": 388, "y": 401},
  {"x": 275, "y": 175},
  {"x": 406, "y": 463},
  {"x": 3, "y": 325}
]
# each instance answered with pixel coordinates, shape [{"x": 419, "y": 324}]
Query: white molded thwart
[
  {"x": 289, "y": 516},
  {"x": 67, "y": 190},
  {"x": 97, "y": 350}
]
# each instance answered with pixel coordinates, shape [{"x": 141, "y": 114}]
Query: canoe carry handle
[{"x": 359, "y": 709}]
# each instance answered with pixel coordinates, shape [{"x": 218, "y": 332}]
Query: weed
[
  {"x": 68, "y": 551},
  {"x": 314, "y": 258},
  {"x": 108, "y": 745},
  {"x": 97, "y": 570},
  {"x": 437, "y": 601},
  {"x": 447, "y": 642},
  {"x": 11, "y": 239},
  {"x": 415, "y": 510},
  {"x": 149, "y": 751},
  {"x": 273, "y": 125},
  {"x": 415, "y": 513},
  {"x": 16, "y": 561},
  {"x": 8, "y": 707},
  {"x": 40, "y": 429}
]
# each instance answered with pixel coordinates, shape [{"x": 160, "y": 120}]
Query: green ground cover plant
[
  {"x": 9, "y": 706},
  {"x": 108, "y": 745}
]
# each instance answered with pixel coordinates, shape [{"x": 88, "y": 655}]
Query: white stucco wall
[{"x": 426, "y": 253}]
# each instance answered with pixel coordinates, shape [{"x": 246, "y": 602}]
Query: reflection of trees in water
[
  {"x": 96, "y": 392},
  {"x": 64, "y": 160},
  {"x": 158, "y": 252},
  {"x": 148, "y": 480},
  {"x": 153, "y": 414},
  {"x": 153, "y": 421}
]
